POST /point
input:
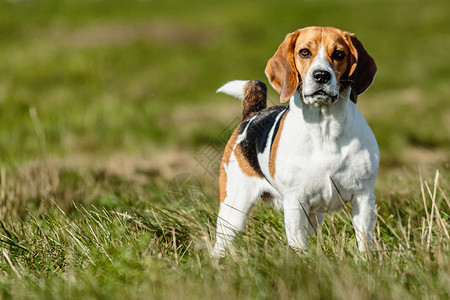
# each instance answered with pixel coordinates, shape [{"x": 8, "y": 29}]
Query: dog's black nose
[{"x": 321, "y": 76}]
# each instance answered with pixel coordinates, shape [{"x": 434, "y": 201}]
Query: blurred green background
[
  {"x": 137, "y": 79},
  {"x": 107, "y": 107}
]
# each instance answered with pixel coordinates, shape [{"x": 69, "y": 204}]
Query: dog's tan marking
[
  {"x": 275, "y": 144},
  {"x": 286, "y": 69},
  {"x": 331, "y": 39},
  {"x": 244, "y": 165},
  {"x": 255, "y": 93},
  {"x": 225, "y": 160}
]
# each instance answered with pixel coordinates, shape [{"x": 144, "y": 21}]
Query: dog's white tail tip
[{"x": 234, "y": 88}]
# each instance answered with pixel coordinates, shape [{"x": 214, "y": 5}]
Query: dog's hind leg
[{"x": 241, "y": 192}]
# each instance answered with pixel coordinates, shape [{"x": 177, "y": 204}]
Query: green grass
[
  {"x": 102, "y": 103},
  {"x": 158, "y": 247}
]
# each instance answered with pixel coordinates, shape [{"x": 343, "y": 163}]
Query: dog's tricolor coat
[{"x": 307, "y": 155}]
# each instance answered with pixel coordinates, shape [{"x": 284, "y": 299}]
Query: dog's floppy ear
[
  {"x": 362, "y": 67},
  {"x": 281, "y": 70}
]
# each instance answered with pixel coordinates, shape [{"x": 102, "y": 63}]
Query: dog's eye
[
  {"x": 338, "y": 55},
  {"x": 304, "y": 53}
]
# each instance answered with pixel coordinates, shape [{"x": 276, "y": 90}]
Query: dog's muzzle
[{"x": 320, "y": 97}]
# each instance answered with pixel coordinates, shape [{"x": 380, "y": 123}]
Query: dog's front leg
[
  {"x": 363, "y": 210},
  {"x": 296, "y": 222}
]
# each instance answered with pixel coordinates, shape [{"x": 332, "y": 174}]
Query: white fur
[
  {"x": 320, "y": 62},
  {"x": 234, "y": 88},
  {"x": 336, "y": 145},
  {"x": 265, "y": 156},
  {"x": 319, "y": 145},
  {"x": 326, "y": 150},
  {"x": 243, "y": 135},
  {"x": 242, "y": 192}
]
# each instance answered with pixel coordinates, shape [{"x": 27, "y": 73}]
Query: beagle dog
[{"x": 311, "y": 156}]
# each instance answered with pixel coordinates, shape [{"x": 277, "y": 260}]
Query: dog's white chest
[
  {"x": 316, "y": 178},
  {"x": 323, "y": 170}
]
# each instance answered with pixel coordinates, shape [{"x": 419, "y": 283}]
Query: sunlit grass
[
  {"x": 102, "y": 103},
  {"x": 129, "y": 247}
]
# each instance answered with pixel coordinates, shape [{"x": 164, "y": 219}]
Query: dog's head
[{"x": 320, "y": 62}]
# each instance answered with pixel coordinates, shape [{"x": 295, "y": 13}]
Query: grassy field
[{"x": 111, "y": 131}]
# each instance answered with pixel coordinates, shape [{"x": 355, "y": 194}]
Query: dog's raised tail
[{"x": 252, "y": 92}]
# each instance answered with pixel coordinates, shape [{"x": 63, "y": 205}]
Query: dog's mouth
[{"x": 320, "y": 96}]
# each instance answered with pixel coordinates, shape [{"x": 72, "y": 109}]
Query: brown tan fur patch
[
  {"x": 225, "y": 160},
  {"x": 244, "y": 165},
  {"x": 286, "y": 69},
  {"x": 331, "y": 39},
  {"x": 275, "y": 144},
  {"x": 255, "y": 93}
]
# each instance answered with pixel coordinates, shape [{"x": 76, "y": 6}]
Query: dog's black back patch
[{"x": 258, "y": 128}]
